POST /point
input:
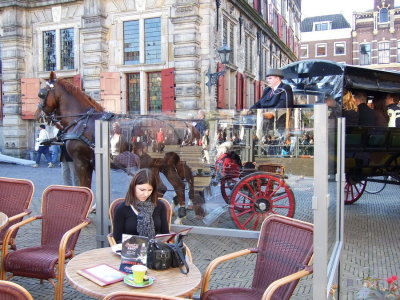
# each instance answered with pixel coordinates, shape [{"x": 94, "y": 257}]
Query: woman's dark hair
[{"x": 143, "y": 176}]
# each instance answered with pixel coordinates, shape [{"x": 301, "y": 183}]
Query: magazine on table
[
  {"x": 169, "y": 237},
  {"x": 133, "y": 252},
  {"x": 102, "y": 274}
]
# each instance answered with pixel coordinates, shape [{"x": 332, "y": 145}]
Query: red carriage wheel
[
  {"x": 256, "y": 196},
  {"x": 353, "y": 190},
  {"x": 227, "y": 185}
]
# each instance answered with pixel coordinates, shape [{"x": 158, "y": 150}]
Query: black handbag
[{"x": 162, "y": 256}]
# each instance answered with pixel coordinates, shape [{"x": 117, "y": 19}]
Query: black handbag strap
[{"x": 177, "y": 250}]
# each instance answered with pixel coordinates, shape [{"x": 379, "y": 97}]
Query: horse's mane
[{"x": 79, "y": 95}]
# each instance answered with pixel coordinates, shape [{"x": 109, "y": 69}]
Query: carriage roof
[{"x": 322, "y": 77}]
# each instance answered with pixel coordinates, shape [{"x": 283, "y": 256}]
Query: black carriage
[{"x": 372, "y": 152}]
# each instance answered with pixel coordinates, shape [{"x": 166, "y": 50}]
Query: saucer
[{"x": 128, "y": 279}]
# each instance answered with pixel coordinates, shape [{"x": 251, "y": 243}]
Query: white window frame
[
  {"x": 329, "y": 26},
  {"x": 334, "y": 50},
  {"x": 57, "y": 28},
  {"x": 316, "y": 49},
  {"x": 301, "y": 49}
]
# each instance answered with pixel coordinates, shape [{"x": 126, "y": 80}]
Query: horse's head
[{"x": 48, "y": 104}]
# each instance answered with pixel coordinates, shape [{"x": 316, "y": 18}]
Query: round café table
[
  {"x": 170, "y": 282},
  {"x": 3, "y": 220}
]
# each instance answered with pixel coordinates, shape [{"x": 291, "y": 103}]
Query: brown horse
[{"x": 74, "y": 113}]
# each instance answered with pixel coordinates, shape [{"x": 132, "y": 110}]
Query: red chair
[
  {"x": 284, "y": 252},
  {"x": 138, "y": 296},
  {"x": 12, "y": 291},
  {"x": 15, "y": 198},
  {"x": 64, "y": 214}
]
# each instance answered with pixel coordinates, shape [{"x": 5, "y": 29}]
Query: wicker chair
[
  {"x": 111, "y": 213},
  {"x": 12, "y": 291},
  {"x": 138, "y": 296},
  {"x": 15, "y": 198},
  {"x": 64, "y": 214},
  {"x": 284, "y": 253}
]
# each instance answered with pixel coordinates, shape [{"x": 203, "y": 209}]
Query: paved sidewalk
[{"x": 372, "y": 241}]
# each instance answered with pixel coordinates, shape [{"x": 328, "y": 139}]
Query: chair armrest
[
  {"x": 11, "y": 230},
  {"x": 111, "y": 240},
  {"x": 285, "y": 280},
  {"x": 217, "y": 261},
  {"x": 65, "y": 239},
  {"x": 20, "y": 215}
]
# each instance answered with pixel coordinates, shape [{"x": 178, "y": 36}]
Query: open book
[
  {"x": 169, "y": 237},
  {"x": 102, "y": 274}
]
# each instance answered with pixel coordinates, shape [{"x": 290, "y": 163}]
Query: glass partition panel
[{"x": 223, "y": 169}]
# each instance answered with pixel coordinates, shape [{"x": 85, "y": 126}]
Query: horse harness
[{"x": 63, "y": 135}]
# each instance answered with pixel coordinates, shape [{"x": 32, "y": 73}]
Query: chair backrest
[
  {"x": 138, "y": 296},
  {"x": 15, "y": 197},
  {"x": 112, "y": 209},
  {"x": 63, "y": 207},
  {"x": 168, "y": 208},
  {"x": 285, "y": 246},
  {"x": 12, "y": 291}
]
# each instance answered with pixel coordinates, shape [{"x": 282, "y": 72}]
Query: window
[
  {"x": 321, "y": 26},
  {"x": 67, "y": 49},
  {"x": 383, "y": 15},
  {"x": 154, "y": 94},
  {"x": 398, "y": 51},
  {"x": 49, "y": 50},
  {"x": 320, "y": 50},
  {"x": 304, "y": 51},
  {"x": 131, "y": 43},
  {"x": 365, "y": 54},
  {"x": 133, "y": 93},
  {"x": 152, "y": 35},
  {"x": 383, "y": 53},
  {"x": 248, "y": 50},
  {"x": 340, "y": 48},
  {"x": 61, "y": 56},
  {"x": 228, "y": 37},
  {"x": 152, "y": 41}
]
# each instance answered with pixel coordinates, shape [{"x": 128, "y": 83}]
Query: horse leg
[{"x": 179, "y": 187}]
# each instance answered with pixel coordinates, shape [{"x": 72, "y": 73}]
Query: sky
[{"x": 310, "y": 8}]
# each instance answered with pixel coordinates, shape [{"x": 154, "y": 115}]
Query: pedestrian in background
[
  {"x": 42, "y": 149},
  {"x": 55, "y": 149},
  {"x": 393, "y": 109},
  {"x": 68, "y": 168}
]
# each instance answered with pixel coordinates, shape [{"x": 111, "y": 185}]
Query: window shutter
[
  {"x": 221, "y": 88},
  {"x": 29, "y": 97},
  {"x": 244, "y": 91},
  {"x": 256, "y": 91},
  {"x": 280, "y": 26},
  {"x": 110, "y": 91},
  {"x": 239, "y": 91},
  {"x": 168, "y": 89},
  {"x": 261, "y": 89}
]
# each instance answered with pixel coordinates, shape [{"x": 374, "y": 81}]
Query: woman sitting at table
[{"x": 141, "y": 213}]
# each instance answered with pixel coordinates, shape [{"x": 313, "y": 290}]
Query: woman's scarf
[{"x": 145, "y": 223}]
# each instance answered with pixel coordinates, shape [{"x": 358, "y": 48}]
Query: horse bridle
[{"x": 43, "y": 94}]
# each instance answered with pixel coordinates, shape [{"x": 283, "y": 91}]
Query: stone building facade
[{"x": 139, "y": 56}]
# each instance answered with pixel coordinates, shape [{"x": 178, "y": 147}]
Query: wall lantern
[{"x": 224, "y": 53}]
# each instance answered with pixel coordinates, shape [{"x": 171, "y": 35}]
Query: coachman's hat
[{"x": 275, "y": 72}]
